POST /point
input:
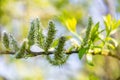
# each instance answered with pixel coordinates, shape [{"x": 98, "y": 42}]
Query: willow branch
[{"x": 66, "y": 52}]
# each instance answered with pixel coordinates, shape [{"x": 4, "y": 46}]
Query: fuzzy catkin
[
  {"x": 60, "y": 48},
  {"x": 50, "y": 36},
  {"x": 21, "y": 51},
  {"x": 31, "y": 34},
  {"x": 39, "y": 34},
  {"x": 6, "y": 41},
  {"x": 14, "y": 44},
  {"x": 86, "y": 39},
  {"x": 59, "y": 56}
]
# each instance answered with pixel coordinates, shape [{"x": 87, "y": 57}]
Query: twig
[{"x": 71, "y": 52}]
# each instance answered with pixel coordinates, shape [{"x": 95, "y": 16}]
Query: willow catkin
[
  {"x": 5, "y": 40},
  {"x": 50, "y": 36},
  {"x": 21, "y": 51},
  {"x": 14, "y": 43},
  {"x": 31, "y": 34},
  {"x": 59, "y": 56},
  {"x": 40, "y": 38}
]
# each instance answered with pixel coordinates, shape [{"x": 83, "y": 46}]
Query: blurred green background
[{"x": 15, "y": 17}]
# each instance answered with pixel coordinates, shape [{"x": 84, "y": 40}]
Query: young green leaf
[
  {"x": 110, "y": 46},
  {"x": 107, "y": 22},
  {"x": 82, "y": 51},
  {"x": 71, "y": 24},
  {"x": 110, "y": 24},
  {"x": 94, "y": 32},
  {"x": 112, "y": 40},
  {"x": 55, "y": 43}
]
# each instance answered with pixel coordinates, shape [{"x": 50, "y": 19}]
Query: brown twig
[{"x": 71, "y": 52}]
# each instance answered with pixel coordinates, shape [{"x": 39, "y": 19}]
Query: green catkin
[
  {"x": 50, "y": 36},
  {"x": 59, "y": 56},
  {"x": 21, "y": 52},
  {"x": 6, "y": 41},
  {"x": 39, "y": 34},
  {"x": 14, "y": 44},
  {"x": 37, "y": 28},
  {"x": 86, "y": 39},
  {"x": 37, "y": 24},
  {"x": 31, "y": 34},
  {"x": 60, "y": 47}
]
